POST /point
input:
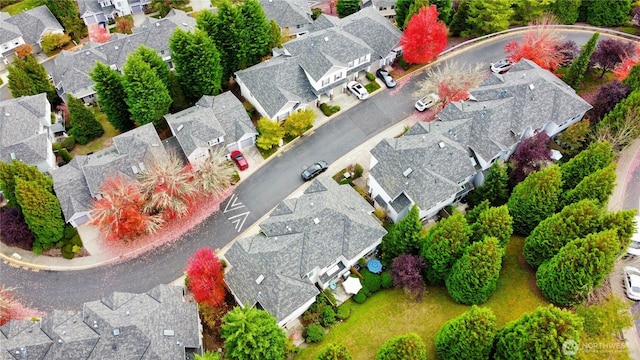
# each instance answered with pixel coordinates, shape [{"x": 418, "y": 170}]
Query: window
[
  {"x": 337, "y": 77},
  {"x": 363, "y": 59},
  {"x": 325, "y": 82},
  {"x": 350, "y": 65}
]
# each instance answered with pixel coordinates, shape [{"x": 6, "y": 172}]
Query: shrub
[
  {"x": 14, "y": 230},
  {"x": 403, "y": 347},
  {"x": 69, "y": 232},
  {"x": 325, "y": 109},
  {"x": 64, "y": 154},
  {"x": 331, "y": 298},
  {"x": 315, "y": 13},
  {"x": 343, "y": 312},
  {"x": 334, "y": 108},
  {"x": 360, "y": 297},
  {"x": 358, "y": 171},
  {"x": 476, "y": 326},
  {"x": 328, "y": 316},
  {"x": 68, "y": 143},
  {"x": 403, "y": 64},
  {"x": 372, "y": 86},
  {"x": 386, "y": 280},
  {"x": 314, "y": 333},
  {"x": 370, "y": 76},
  {"x": 67, "y": 251},
  {"x": 371, "y": 281}
]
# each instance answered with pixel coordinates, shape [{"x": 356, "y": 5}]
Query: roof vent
[
  {"x": 259, "y": 279},
  {"x": 13, "y": 156},
  {"x": 158, "y": 24},
  {"x": 180, "y": 127},
  {"x": 407, "y": 172},
  {"x": 141, "y": 166},
  {"x": 128, "y": 313},
  {"x": 134, "y": 169},
  {"x": 531, "y": 87},
  {"x": 326, "y": 38},
  {"x": 168, "y": 332},
  {"x": 441, "y": 144},
  {"x": 316, "y": 221},
  {"x": 87, "y": 52},
  {"x": 7, "y": 114},
  {"x": 116, "y": 332},
  {"x": 155, "y": 144},
  {"x": 60, "y": 341},
  {"x": 185, "y": 24},
  {"x": 117, "y": 47}
]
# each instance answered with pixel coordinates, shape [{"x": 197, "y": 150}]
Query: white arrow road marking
[
  {"x": 239, "y": 220},
  {"x": 233, "y": 203}
]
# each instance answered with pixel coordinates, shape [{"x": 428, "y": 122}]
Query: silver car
[
  {"x": 427, "y": 102},
  {"x": 501, "y": 66},
  {"x": 632, "y": 282},
  {"x": 358, "y": 90}
]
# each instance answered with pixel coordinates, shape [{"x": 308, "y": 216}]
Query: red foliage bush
[
  {"x": 14, "y": 230},
  {"x": 206, "y": 277}
]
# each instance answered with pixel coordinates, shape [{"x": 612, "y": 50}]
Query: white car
[
  {"x": 358, "y": 90},
  {"x": 501, "y": 66},
  {"x": 632, "y": 282},
  {"x": 427, "y": 102},
  {"x": 634, "y": 247}
]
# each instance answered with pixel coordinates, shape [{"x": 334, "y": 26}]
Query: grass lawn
[
  {"x": 390, "y": 312},
  {"x": 99, "y": 143},
  {"x": 21, "y": 6}
]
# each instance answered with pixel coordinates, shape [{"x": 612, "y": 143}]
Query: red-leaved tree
[
  {"x": 610, "y": 53},
  {"x": 424, "y": 37},
  {"x": 406, "y": 272},
  {"x": 540, "y": 44},
  {"x": 532, "y": 154},
  {"x": 98, "y": 34},
  {"x": 451, "y": 82},
  {"x": 206, "y": 277},
  {"x": 119, "y": 213},
  {"x": 621, "y": 71}
]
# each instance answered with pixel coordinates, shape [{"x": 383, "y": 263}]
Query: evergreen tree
[
  {"x": 566, "y": 11},
  {"x": 345, "y": 8},
  {"x": 275, "y": 35},
  {"x": 255, "y": 34},
  {"x": 487, "y": 16},
  {"x": 597, "y": 186},
  {"x": 84, "y": 126},
  {"x": 402, "y": 12},
  {"x": 28, "y": 77},
  {"x": 473, "y": 214},
  {"x": 227, "y": 37},
  {"x": 252, "y": 334},
  {"x": 147, "y": 96},
  {"x": 66, "y": 12},
  {"x": 111, "y": 96},
  {"x": 414, "y": 9},
  {"x": 206, "y": 21},
  {"x": 179, "y": 98},
  {"x": 444, "y": 9},
  {"x": 538, "y": 335},
  {"x": 494, "y": 187},
  {"x": 474, "y": 276},
  {"x": 579, "y": 66},
  {"x": 578, "y": 268},
  {"x": 334, "y": 351},
  {"x": 633, "y": 79},
  {"x": 270, "y": 133},
  {"x": 197, "y": 62},
  {"x": 596, "y": 157},
  {"x": 42, "y": 213},
  {"x": 404, "y": 238},
  {"x": 535, "y": 199},
  {"x": 494, "y": 222},
  {"x": 608, "y": 13},
  {"x": 468, "y": 336},
  {"x": 403, "y": 347},
  {"x": 459, "y": 19},
  {"x": 624, "y": 224},
  {"x": 19, "y": 82},
  {"x": 622, "y": 121},
  {"x": 574, "y": 221},
  {"x": 9, "y": 172},
  {"x": 574, "y": 139},
  {"x": 444, "y": 244},
  {"x": 155, "y": 62},
  {"x": 525, "y": 11}
]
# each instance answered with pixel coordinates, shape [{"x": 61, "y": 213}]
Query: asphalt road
[{"x": 257, "y": 195}]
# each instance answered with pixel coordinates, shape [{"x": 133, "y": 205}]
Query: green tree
[
  {"x": 474, "y": 276},
  {"x": 403, "y": 347},
  {"x": 270, "y": 133},
  {"x": 444, "y": 9},
  {"x": 275, "y": 35},
  {"x": 297, "y": 123},
  {"x": 42, "y": 213},
  {"x": 608, "y": 13},
  {"x": 66, "y": 12},
  {"x": 84, "y": 126},
  {"x": 633, "y": 79},
  {"x": 111, "y": 96},
  {"x": 164, "y": 6},
  {"x": 525, "y": 11},
  {"x": 473, "y": 215},
  {"x": 487, "y": 16},
  {"x": 227, "y": 37},
  {"x": 402, "y": 12},
  {"x": 197, "y": 62},
  {"x": 597, "y": 186},
  {"x": 252, "y": 334},
  {"x": 404, "y": 237},
  {"x": 538, "y": 335},
  {"x": 623, "y": 122},
  {"x": 574, "y": 139},
  {"x": 334, "y": 351},
  {"x": 345, "y": 8},
  {"x": 494, "y": 187},
  {"x": 415, "y": 8},
  {"x": 535, "y": 199},
  {"x": 178, "y": 95},
  {"x": 574, "y": 221},
  {"x": 444, "y": 244},
  {"x": 255, "y": 33},
  {"x": 53, "y": 41},
  {"x": 596, "y": 157},
  {"x": 624, "y": 224},
  {"x": 155, "y": 62},
  {"x": 494, "y": 222},
  {"x": 566, "y": 11},
  {"x": 147, "y": 96},
  {"x": 206, "y": 21},
  {"x": 579, "y": 66},
  {"x": 477, "y": 326},
  {"x": 578, "y": 268},
  {"x": 28, "y": 77},
  {"x": 19, "y": 82},
  {"x": 9, "y": 172},
  {"x": 209, "y": 356},
  {"x": 459, "y": 19}
]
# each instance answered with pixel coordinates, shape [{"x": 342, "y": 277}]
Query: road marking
[
  {"x": 14, "y": 265},
  {"x": 239, "y": 220},
  {"x": 233, "y": 203}
]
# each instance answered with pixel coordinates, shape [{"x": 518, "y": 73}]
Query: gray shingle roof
[
  {"x": 287, "y": 13},
  {"x": 85, "y": 6},
  {"x": 324, "y": 22},
  {"x": 34, "y": 23},
  {"x": 120, "y": 326},
  {"x": 8, "y": 31},
  {"x": 71, "y": 187},
  {"x": 302, "y": 234},
  {"x": 277, "y": 81},
  {"x": 21, "y": 120},
  {"x": 376, "y": 31}
]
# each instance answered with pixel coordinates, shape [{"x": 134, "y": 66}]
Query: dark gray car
[{"x": 314, "y": 170}]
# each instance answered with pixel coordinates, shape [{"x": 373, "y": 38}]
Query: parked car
[
  {"x": 358, "y": 90},
  {"x": 386, "y": 78},
  {"x": 239, "y": 159},
  {"x": 632, "y": 282},
  {"x": 501, "y": 66},
  {"x": 427, "y": 102},
  {"x": 314, "y": 170},
  {"x": 634, "y": 247}
]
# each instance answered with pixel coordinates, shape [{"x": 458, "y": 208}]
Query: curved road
[{"x": 48, "y": 290}]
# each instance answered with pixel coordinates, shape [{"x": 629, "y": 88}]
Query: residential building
[
  {"x": 27, "y": 27},
  {"x": 293, "y": 16},
  {"x": 78, "y": 183},
  {"x": 311, "y": 68},
  {"x": 158, "y": 324},
  {"x": 437, "y": 163},
  {"x": 214, "y": 121},
  {"x": 26, "y": 132},
  {"x": 386, "y": 8},
  {"x": 306, "y": 244},
  {"x": 72, "y": 68},
  {"x": 103, "y": 11}
]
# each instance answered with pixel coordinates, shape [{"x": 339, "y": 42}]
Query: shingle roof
[
  {"x": 133, "y": 327},
  {"x": 376, "y": 31},
  {"x": 85, "y": 6},
  {"x": 34, "y": 23},
  {"x": 21, "y": 120},
  {"x": 287, "y": 13},
  {"x": 8, "y": 31},
  {"x": 302, "y": 234}
]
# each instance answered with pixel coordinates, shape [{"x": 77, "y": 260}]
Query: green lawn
[
  {"x": 99, "y": 143},
  {"x": 21, "y": 6},
  {"x": 390, "y": 313}
]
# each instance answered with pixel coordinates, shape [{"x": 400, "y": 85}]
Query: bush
[
  {"x": 315, "y": 13},
  {"x": 370, "y": 76},
  {"x": 386, "y": 280},
  {"x": 343, "y": 312},
  {"x": 329, "y": 110},
  {"x": 334, "y": 108},
  {"x": 372, "y": 86},
  {"x": 328, "y": 294},
  {"x": 314, "y": 333},
  {"x": 358, "y": 171},
  {"x": 67, "y": 251},
  {"x": 328, "y": 316},
  {"x": 360, "y": 297},
  {"x": 64, "y": 154},
  {"x": 14, "y": 230},
  {"x": 82, "y": 140},
  {"x": 403, "y": 64},
  {"x": 69, "y": 232},
  {"x": 68, "y": 143},
  {"x": 371, "y": 281}
]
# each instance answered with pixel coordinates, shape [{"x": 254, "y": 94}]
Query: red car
[{"x": 239, "y": 159}]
